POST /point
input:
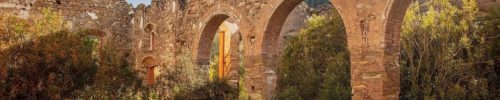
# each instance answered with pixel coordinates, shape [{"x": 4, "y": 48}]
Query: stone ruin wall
[
  {"x": 110, "y": 18},
  {"x": 178, "y": 28}
]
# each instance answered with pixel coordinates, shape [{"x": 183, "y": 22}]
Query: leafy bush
[
  {"x": 444, "y": 53},
  {"x": 41, "y": 60},
  {"x": 114, "y": 79},
  {"x": 213, "y": 90},
  {"x": 190, "y": 76},
  {"x": 319, "y": 54},
  {"x": 188, "y": 81},
  {"x": 44, "y": 61}
]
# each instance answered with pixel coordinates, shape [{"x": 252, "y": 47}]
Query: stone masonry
[{"x": 168, "y": 30}]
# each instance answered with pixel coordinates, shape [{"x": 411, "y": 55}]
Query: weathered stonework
[{"x": 167, "y": 30}]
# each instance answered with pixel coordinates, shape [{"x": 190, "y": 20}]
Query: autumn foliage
[{"x": 41, "y": 60}]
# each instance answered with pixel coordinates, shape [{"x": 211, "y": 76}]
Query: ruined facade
[
  {"x": 157, "y": 36},
  {"x": 109, "y": 19}
]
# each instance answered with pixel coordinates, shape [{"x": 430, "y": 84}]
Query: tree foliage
[
  {"x": 40, "y": 60},
  {"x": 315, "y": 64},
  {"x": 192, "y": 82},
  {"x": 444, "y": 53}
]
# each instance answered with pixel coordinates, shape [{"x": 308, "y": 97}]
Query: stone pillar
[
  {"x": 234, "y": 60},
  {"x": 374, "y": 68},
  {"x": 253, "y": 66},
  {"x": 253, "y": 80}
]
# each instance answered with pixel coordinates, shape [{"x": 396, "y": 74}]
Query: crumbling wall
[
  {"x": 108, "y": 16},
  {"x": 177, "y": 28}
]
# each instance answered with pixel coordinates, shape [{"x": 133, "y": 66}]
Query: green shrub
[
  {"x": 319, "y": 54},
  {"x": 213, "y": 90},
  {"x": 115, "y": 79},
  {"x": 208, "y": 86},
  {"x": 444, "y": 53}
]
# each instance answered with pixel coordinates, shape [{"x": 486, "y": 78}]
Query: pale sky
[{"x": 137, "y": 2}]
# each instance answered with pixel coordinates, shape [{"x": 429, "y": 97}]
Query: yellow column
[{"x": 221, "y": 54}]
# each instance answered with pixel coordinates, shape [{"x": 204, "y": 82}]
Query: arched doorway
[
  {"x": 219, "y": 40},
  {"x": 288, "y": 19},
  {"x": 204, "y": 41},
  {"x": 149, "y": 64}
]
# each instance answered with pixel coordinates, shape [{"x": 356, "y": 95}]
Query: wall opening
[
  {"x": 96, "y": 39},
  {"x": 215, "y": 47},
  {"x": 303, "y": 27},
  {"x": 149, "y": 64},
  {"x": 147, "y": 42}
]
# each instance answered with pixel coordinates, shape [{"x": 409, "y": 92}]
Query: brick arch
[
  {"x": 203, "y": 40},
  {"x": 149, "y": 61},
  {"x": 270, "y": 43},
  {"x": 392, "y": 41},
  {"x": 213, "y": 16},
  {"x": 275, "y": 23},
  {"x": 210, "y": 21}
]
